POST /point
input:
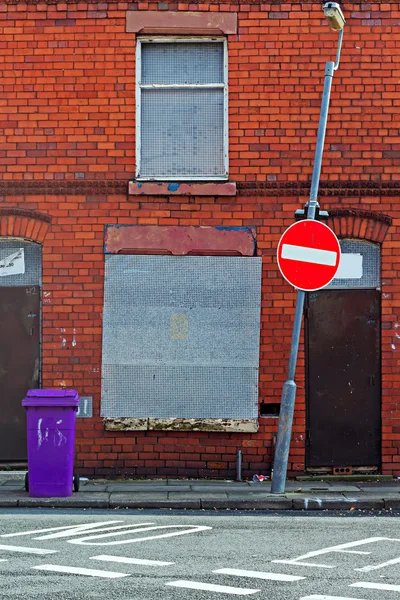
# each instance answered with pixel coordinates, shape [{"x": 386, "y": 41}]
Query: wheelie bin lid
[{"x": 51, "y": 397}]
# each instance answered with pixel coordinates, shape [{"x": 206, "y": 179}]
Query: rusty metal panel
[
  {"x": 143, "y": 239},
  {"x": 19, "y": 364},
  {"x": 343, "y": 378},
  {"x": 181, "y": 337}
]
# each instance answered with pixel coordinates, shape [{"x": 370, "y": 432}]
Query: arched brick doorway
[
  {"x": 343, "y": 353},
  {"x": 21, "y": 234}
]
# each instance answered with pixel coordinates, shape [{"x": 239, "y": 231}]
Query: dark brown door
[
  {"x": 343, "y": 378},
  {"x": 19, "y": 364}
]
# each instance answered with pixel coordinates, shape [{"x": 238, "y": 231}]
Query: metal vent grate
[
  {"x": 181, "y": 337},
  {"x": 361, "y": 265},
  {"x": 182, "y": 109}
]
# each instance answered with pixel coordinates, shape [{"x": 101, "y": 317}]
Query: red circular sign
[{"x": 308, "y": 255}]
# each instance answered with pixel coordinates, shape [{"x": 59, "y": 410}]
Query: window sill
[
  {"x": 150, "y": 424},
  {"x": 161, "y": 188}
]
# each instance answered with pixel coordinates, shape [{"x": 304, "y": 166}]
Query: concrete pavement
[{"x": 316, "y": 494}]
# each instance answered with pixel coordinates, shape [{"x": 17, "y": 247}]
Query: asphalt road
[{"x": 145, "y": 555}]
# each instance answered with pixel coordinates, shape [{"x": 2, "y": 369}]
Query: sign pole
[{"x": 289, "y": 387}]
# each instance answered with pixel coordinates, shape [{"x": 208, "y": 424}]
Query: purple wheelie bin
[{"x": 51, "y": 416}]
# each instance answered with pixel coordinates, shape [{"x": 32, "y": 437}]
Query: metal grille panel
[
  {"x": 371, "y": 265},
  {"x": 33, "y": 263},
  {"x": 181, "y": 337},
  {"x": 182, "y": 63},
  {"x": 182, "y": 132}
]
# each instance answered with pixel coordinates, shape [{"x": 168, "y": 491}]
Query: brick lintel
[{"x": 173, "y": 23}]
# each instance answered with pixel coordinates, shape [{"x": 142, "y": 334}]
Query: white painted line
[
  {"x": 131, "y": 561},
  {"x": 300, "y": 560},
  {"x": 210, "y": 587},
  {"x": 352, "y": 552},
  {"x": 87, "y": 541},
  {"x": 260, "y": 575},
  {"x": 376, "y": 586},
  {"x": 81, "y": 531},
  {"x": 309, "y": 255},
  {"x": 26, "y": 550},
  {"x": 68, "y": 527},
  {"x": 394, "y": 561},
  {"x": 302, "y": 564},
  {"x": 80, "y": 571},
  {"x": 324, "y": 597}
]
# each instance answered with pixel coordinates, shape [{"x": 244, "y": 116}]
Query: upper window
[{"x": 182, "y": 109}]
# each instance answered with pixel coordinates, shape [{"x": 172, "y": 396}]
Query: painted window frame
[{"x": 139, "y": 86}]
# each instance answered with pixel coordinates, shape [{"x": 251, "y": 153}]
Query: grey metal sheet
[
  {"x": 181, "y": 336},
  {"x": 371, "y": 265}
]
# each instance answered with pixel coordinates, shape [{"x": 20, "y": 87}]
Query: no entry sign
[{"x": 309, "y": 255}]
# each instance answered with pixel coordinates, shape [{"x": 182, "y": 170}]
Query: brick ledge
[
  {"x": 151, "y": 424},
  {"x": 179, "y": 188}
]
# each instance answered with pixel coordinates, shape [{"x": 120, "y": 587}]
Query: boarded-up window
[
  {"x": 182, "y": 108},
  {"x": 181, "y": 337}
]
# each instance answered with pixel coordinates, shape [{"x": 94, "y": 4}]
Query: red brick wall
[{"x": 68, "y": 130}]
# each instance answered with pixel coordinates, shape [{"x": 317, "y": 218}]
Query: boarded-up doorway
[
  {"x": 343, "y": 370},
  {"x": 19, "y": 342}
]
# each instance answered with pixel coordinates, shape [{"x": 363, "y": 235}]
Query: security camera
[{"x": 334, "y": 15}]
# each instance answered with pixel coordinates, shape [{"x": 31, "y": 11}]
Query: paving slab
[
  {"x": 228, "y": 488},
  {"x": 139, "y": 488},
  {"x": 93, "y": 487}
]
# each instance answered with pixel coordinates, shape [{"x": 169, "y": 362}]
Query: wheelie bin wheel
[
  {"x": 76, "y": 482},
  {"x": 27, "y": 482}
]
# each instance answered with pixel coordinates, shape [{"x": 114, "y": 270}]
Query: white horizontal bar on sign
[
  {"x": 350, "y": 267},
  {"x": 212, "y": 587},
  {"x": 260, "y": 575},
  {"x": 80, "y": 571},
  {"x": 26, "y": 550},
  {"x": 324, "y": 597},
  {"x": 376, "y": 586},
  {"x": 309, "y": 255},
  {"x": 131, "y": 561}
]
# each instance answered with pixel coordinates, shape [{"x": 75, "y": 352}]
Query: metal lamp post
[{"x": 336, "y": 20}]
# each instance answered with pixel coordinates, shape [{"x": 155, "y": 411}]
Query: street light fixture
[
  {"x": 336, "y": 20},
  {"x": 334, "y": 16}
]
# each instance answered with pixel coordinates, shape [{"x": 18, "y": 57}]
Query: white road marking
[
  {"x": 27, "y": 550},
  {"x": 210, "y": 587},
  {"x": 352, "y": 552},
  {"x": 376, "y": 586},
  {"x": 259, "y": 575},
  {"x": 300, "y": 559},
  {"x": 324, "y": 597},
  {"x": 302, "y": 564},
  {"x": 193, "y": 529},
  {"x": 68, "y": 527},
  {"x": 131, "y": 561},
  {"x": 394, "y": 561},
  {"x": 309, "y": 255},
  {"x": 82, "y": 530},
  {"x": 80, "y": 571}
]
